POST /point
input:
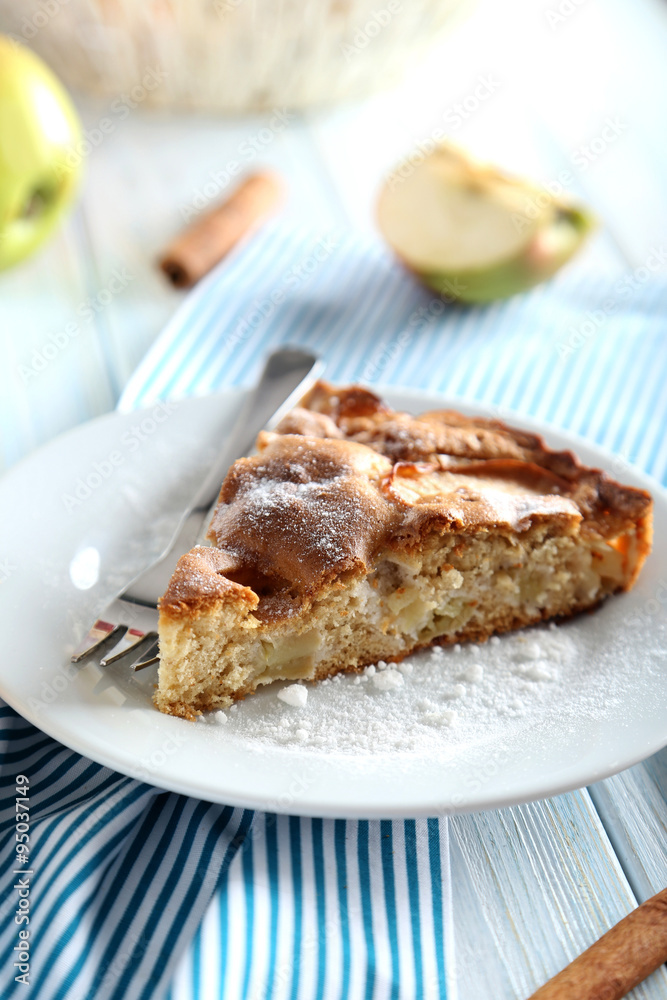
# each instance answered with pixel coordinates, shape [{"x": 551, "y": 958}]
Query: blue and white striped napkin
[{"x": 138, "y": 893}]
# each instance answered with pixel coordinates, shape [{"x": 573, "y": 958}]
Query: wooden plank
[
  {"x": 54, "y": 375},
  {"x": 533, "y": 886},
  {"x": 633, "y": 809}
]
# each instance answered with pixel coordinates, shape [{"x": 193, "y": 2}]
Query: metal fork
[{"x": 132, "y": 615}]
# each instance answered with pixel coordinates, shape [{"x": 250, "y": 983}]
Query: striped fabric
[
  {"x": 121, "y": 877},
  {"x": 147, "y": 894},
  {"x": 327, "y": 909},
  {"x": 119, "y": 874}
]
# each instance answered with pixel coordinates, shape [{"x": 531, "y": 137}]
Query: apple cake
[{"x": 357, "y": 534}]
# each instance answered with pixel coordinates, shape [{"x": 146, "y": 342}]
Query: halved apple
[{"x": 473, "y": 233}]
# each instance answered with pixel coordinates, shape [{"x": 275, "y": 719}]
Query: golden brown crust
[
  {"x": 346, "y": 478},
  {"x": 303, "y": 511},
  {"x": 446, "y": 437},
  {"x": 200, "y": 582}
]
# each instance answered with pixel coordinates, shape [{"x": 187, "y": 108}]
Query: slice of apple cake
[{"x": 358, "y": 534}]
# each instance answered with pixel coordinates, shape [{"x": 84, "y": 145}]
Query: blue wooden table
[{"x": 576, "y": 94}]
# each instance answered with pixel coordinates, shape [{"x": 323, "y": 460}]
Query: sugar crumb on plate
[
  {"x": 294, "y": 695},
  {"x": 388, "y": 680}
]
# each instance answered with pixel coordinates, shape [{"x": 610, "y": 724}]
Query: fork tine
[
  {"x": 100, "y": 631},
  {"x": 132, "y": 638},
  {"x": 149, "y": 656}
]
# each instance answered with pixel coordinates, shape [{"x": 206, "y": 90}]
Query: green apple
[
  {"x": 473, "y": 233},
  {"x": 39, "y": 166}
]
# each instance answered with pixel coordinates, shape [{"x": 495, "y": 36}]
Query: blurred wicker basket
[{"x": 232, "y": 55}]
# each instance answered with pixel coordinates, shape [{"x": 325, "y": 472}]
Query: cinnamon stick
[
  {"x": 192, "y": 254},
  {"x": 623, "y": 957}
]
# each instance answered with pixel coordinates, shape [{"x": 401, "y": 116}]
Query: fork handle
[{"x": 287, "y": 374}]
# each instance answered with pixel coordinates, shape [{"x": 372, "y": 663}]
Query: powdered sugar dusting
[
  {"x": 440, "y": 697},
  {"x": 271, "y": 499},
  {"x": 302, "y": 514},
  {"x": 446, "y": 699}
]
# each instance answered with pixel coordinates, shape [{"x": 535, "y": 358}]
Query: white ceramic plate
[{"x": 529, "y": 716}]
